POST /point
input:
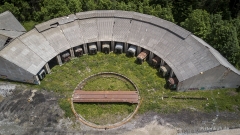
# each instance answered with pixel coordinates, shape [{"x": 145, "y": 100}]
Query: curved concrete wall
[{"x": 187, "y": 55}]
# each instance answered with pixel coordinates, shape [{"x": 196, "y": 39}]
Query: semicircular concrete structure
[{"x": 195, "y": 63}]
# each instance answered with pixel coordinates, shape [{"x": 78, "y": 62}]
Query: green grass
[
  {"x": 65, "y": 78},
  {"x": 104, "y": 113},
  {"x": 29, "y": 25},
  {"x": 107, "y": 83},
  {"x": 66, "y": 106}
]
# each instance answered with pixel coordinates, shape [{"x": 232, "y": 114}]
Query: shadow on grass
[
  {"x": 156, "y": 67},
  {"x": 118, "y": 54},
  {"x": 238, "y": 89},
  {"x": 166, "y": 80},
  {"x": 106, "y": 103},
  {"x": 137, "y": 62}
]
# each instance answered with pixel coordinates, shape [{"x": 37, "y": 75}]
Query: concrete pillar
[
  {"x": 171, "y": 73},
  {"x": 112, "y": 46},
  {"x": 59, "y": 60},
  {"x": 85, "y": 48},
  {"x": 36, "y": 80},
  {"x": 47, "y": 69},
  {"x": 99, "y": 46},
  {"x": 72, "y": 52},
  {"x": 125, "y": 47},
  {"x": 150, "y": 56},
  {"x": 162, "y": 62},
  {"x": 138, "y": 50}
]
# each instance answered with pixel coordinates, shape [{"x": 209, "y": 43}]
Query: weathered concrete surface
[
  {"x": 6, "y": 89},
  {"x": 42, "y": 112}
]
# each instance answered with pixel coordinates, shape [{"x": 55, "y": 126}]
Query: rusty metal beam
[{"x": 105, "y": 96}]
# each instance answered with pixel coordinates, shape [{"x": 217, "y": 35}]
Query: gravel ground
[{"x": 42, "y": 115}]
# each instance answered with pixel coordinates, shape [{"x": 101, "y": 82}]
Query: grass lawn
[
  {"x": 110, "y": 83},
  {"x": 104, "y": 113},
  {"x": 65, "y": 78}
]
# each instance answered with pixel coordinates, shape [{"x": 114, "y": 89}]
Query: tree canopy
[
  {"x": 216, "y": 21},
  {"x": 223, "y": 37},
  {"x": 198, "y": 22}
]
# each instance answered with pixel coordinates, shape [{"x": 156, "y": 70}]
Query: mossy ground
[{"x": 65, "y": 78}]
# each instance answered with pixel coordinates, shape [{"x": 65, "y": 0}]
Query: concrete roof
[
  {"x": 121, "y": 29},
  {"x": 185, "y": 53},
  {"x": 9, "y": 28},
  {"x": 89, "y": 30},
  {"x": 105, "y": 28},
  {"x": 57, "y": 39},
  {"x": 11, "y": 34},
  {"x": 24, "y": 57},
  {"x": 217, "y": 55},
  {"x": 73, "y": 33},
  {"x": 38, "y": 44},
  {"x": 9, "y": 23},
  {"x": 3, "y": 40}
]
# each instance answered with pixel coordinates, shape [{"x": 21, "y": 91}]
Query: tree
[
  {"x": 236, "y": 23},
  {"x": 223, "y": 37},
  {"x": 218, "y": 7},
  {"x": 105, "y": 5},
  {"x": 132, "y": 6},
  {"x": 156, "y": 10},
  {"x": 163, "y": 3},
  {"x": 52, "y": 9},
  {"x": 198, "y": 23},
  {"x": 74, "y": 6},
  {"x": 20, "y": 8},
  {"x": 164, "y": 13},
  {"x": 9, "y": 6},
  {"x": 89, "y": 5},
  {"x": 121, "y": 6},
  {"x": 181, "y": 9},
  {"x": 234, "y": 6}
]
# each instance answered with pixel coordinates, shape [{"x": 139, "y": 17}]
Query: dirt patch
[
  {"x": 222, "y": 132},
  {"x": 153, "y": 128},
  {"x": 41, "y": 112},
  {"x": 197, "y": 122}
]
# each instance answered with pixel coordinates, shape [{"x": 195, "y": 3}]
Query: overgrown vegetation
[
  {"x": 65, "y": 78},
  {"x": 216, "y": 21}
]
